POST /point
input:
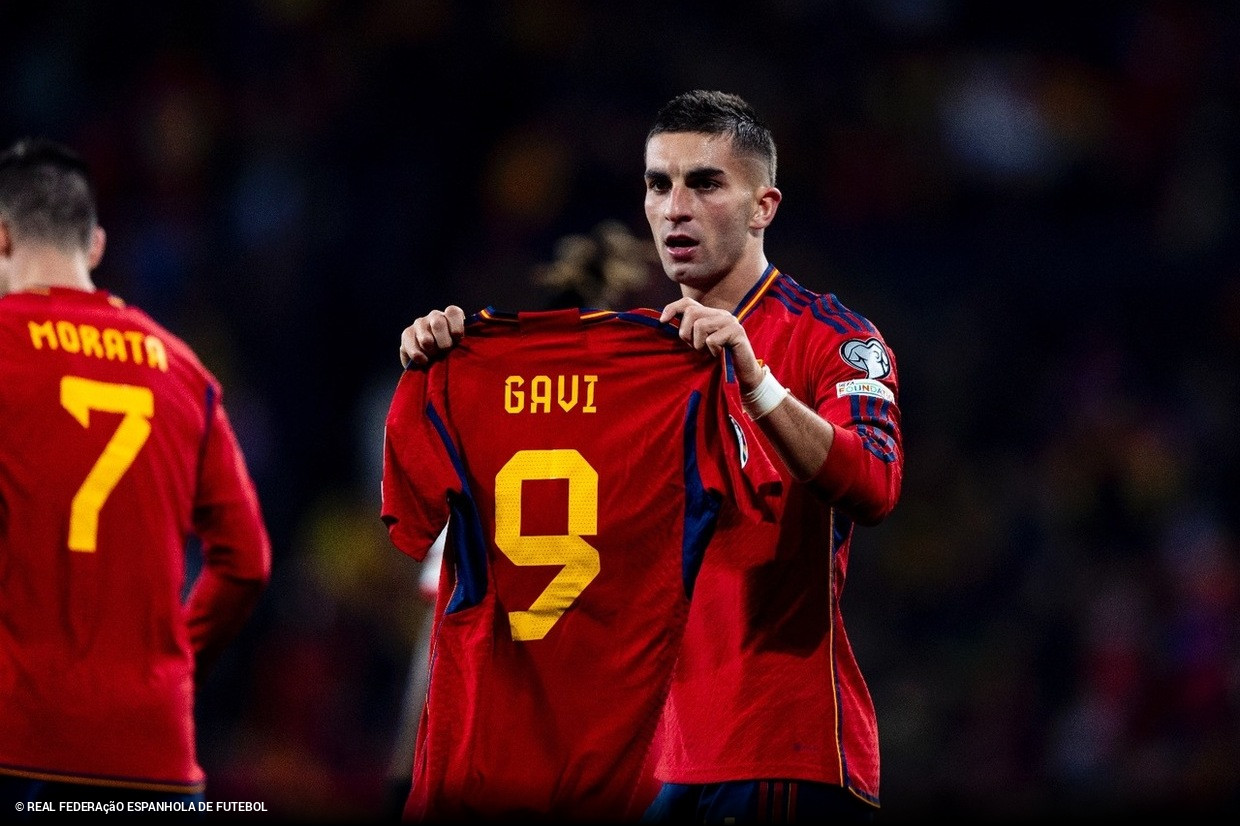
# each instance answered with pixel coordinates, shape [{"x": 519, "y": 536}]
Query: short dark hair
[
  {"x": 46, "y": 194},
  {"x": 718, "y": 113}
]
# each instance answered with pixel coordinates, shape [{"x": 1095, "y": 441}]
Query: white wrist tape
[{"x": 765, "y": 397}]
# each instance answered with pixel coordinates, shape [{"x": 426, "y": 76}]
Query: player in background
[
  {"x": 768, "y": 716},
  {"x": 115, "y": 449}
]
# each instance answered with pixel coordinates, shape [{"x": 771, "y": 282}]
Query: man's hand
[
  {"x": 431, "y": 335},
  {"x": 715, "y": 330}
]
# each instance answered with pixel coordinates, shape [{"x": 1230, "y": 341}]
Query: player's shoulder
[
  {"x": 821, "y": 312},
  {"x": 177, "y": 348},
  {"x": 10, "y": 316},
  {"x": 14, "y": 304},
  {"x": 139, "y": 317},
  {"x": 828, "y": 309}
]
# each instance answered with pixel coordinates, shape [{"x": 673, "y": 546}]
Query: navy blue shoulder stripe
[
  {"x": 822, "y": 314},
  {"x": 804, "y": 295},
  {"x": 855, "y": 320},
  {"x": 791, "y": 293},
  {"x": 826, "y": 307}
]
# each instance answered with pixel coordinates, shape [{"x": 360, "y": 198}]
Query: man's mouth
[{"x": 681, "y": 248}]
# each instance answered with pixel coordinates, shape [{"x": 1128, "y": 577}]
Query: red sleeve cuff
[
  {"x": 839, "y": 470},
  {"x": 851, "y": 478}
]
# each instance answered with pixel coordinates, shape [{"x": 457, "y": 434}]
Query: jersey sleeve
[
  {"x": 857, "y": 392},
  {"x": 236, "y": 548},
  {"x": 418, "y": 472}
]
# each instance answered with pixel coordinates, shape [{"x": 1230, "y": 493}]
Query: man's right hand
[{"x": 431, "y": 335}]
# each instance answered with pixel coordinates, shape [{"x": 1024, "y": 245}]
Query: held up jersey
[
  {"x": 582, "y": 461},
  {"x": 767, "y": 685},
  {"x": 114, "y": 449}
]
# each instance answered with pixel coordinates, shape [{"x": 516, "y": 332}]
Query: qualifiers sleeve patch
[
  {"x": 864, "y": 387},
  {"x": 869, "y": 356}
]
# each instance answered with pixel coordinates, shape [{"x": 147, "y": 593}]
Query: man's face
[{"x": 701, "y": 199}]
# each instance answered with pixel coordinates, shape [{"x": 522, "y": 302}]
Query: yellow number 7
[
  {"x": 80, "y": 396},
  {"x": 579, "y": 558}
]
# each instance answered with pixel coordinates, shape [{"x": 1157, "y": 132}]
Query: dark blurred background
[{"x": 1036, "y": 204}]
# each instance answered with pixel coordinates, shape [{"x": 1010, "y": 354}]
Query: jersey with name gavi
[{"x": 582, "y": 460}]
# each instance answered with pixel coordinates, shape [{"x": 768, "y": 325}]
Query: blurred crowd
[{"x": 1038, "y": 207}]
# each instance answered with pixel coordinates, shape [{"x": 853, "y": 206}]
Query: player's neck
[
  {"x": 731, "y": 289},
  {"x": 52, "y": 268}
]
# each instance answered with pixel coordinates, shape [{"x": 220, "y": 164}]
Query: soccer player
[
  {"x": 582, "y": 461},
  {"x": 115, "y": 450},
  {"x": 768, "y": 716}
]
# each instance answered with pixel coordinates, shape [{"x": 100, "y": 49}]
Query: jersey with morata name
[
  {"x": 114, "y": 449},
  {"x": 582, "y": 461}
]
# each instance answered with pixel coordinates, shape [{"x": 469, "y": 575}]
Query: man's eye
[{"x": 657, "y": 186}]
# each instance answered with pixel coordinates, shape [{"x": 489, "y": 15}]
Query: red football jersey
[
  {"x": 767, "y": 685},
  {"x": 114, "y": 449},
  {"x": 582, "y": 461}
]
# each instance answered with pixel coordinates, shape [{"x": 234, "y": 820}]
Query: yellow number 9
[{"x": 579, "y": 558}]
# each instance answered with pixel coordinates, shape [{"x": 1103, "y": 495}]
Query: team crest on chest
[{"x": 869, "y": 356}]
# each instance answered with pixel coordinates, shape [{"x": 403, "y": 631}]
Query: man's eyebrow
[{"x": 695, "y": 174}]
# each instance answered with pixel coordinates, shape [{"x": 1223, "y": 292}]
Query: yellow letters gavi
[{"x": 538, "y": 393}]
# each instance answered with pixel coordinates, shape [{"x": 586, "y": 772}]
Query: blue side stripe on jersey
[
  {"x": 465, "y": 537},
  {"x": 841, "y": 529},
  {"x": 841, "y": 709},
  {"x": 701, "y": 505},
  {"x": 206, "y": 430}
]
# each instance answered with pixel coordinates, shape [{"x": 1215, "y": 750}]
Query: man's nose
[{"x": 678, "y": 203}]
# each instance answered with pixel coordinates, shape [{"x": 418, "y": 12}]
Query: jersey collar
[{"x": 756, "y": 292}]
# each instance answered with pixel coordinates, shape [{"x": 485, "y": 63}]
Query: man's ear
[
  {"x": 6, "y": 240},
  {"x": 764, "y": 207},
  {"x": 98, "y": 240}
]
